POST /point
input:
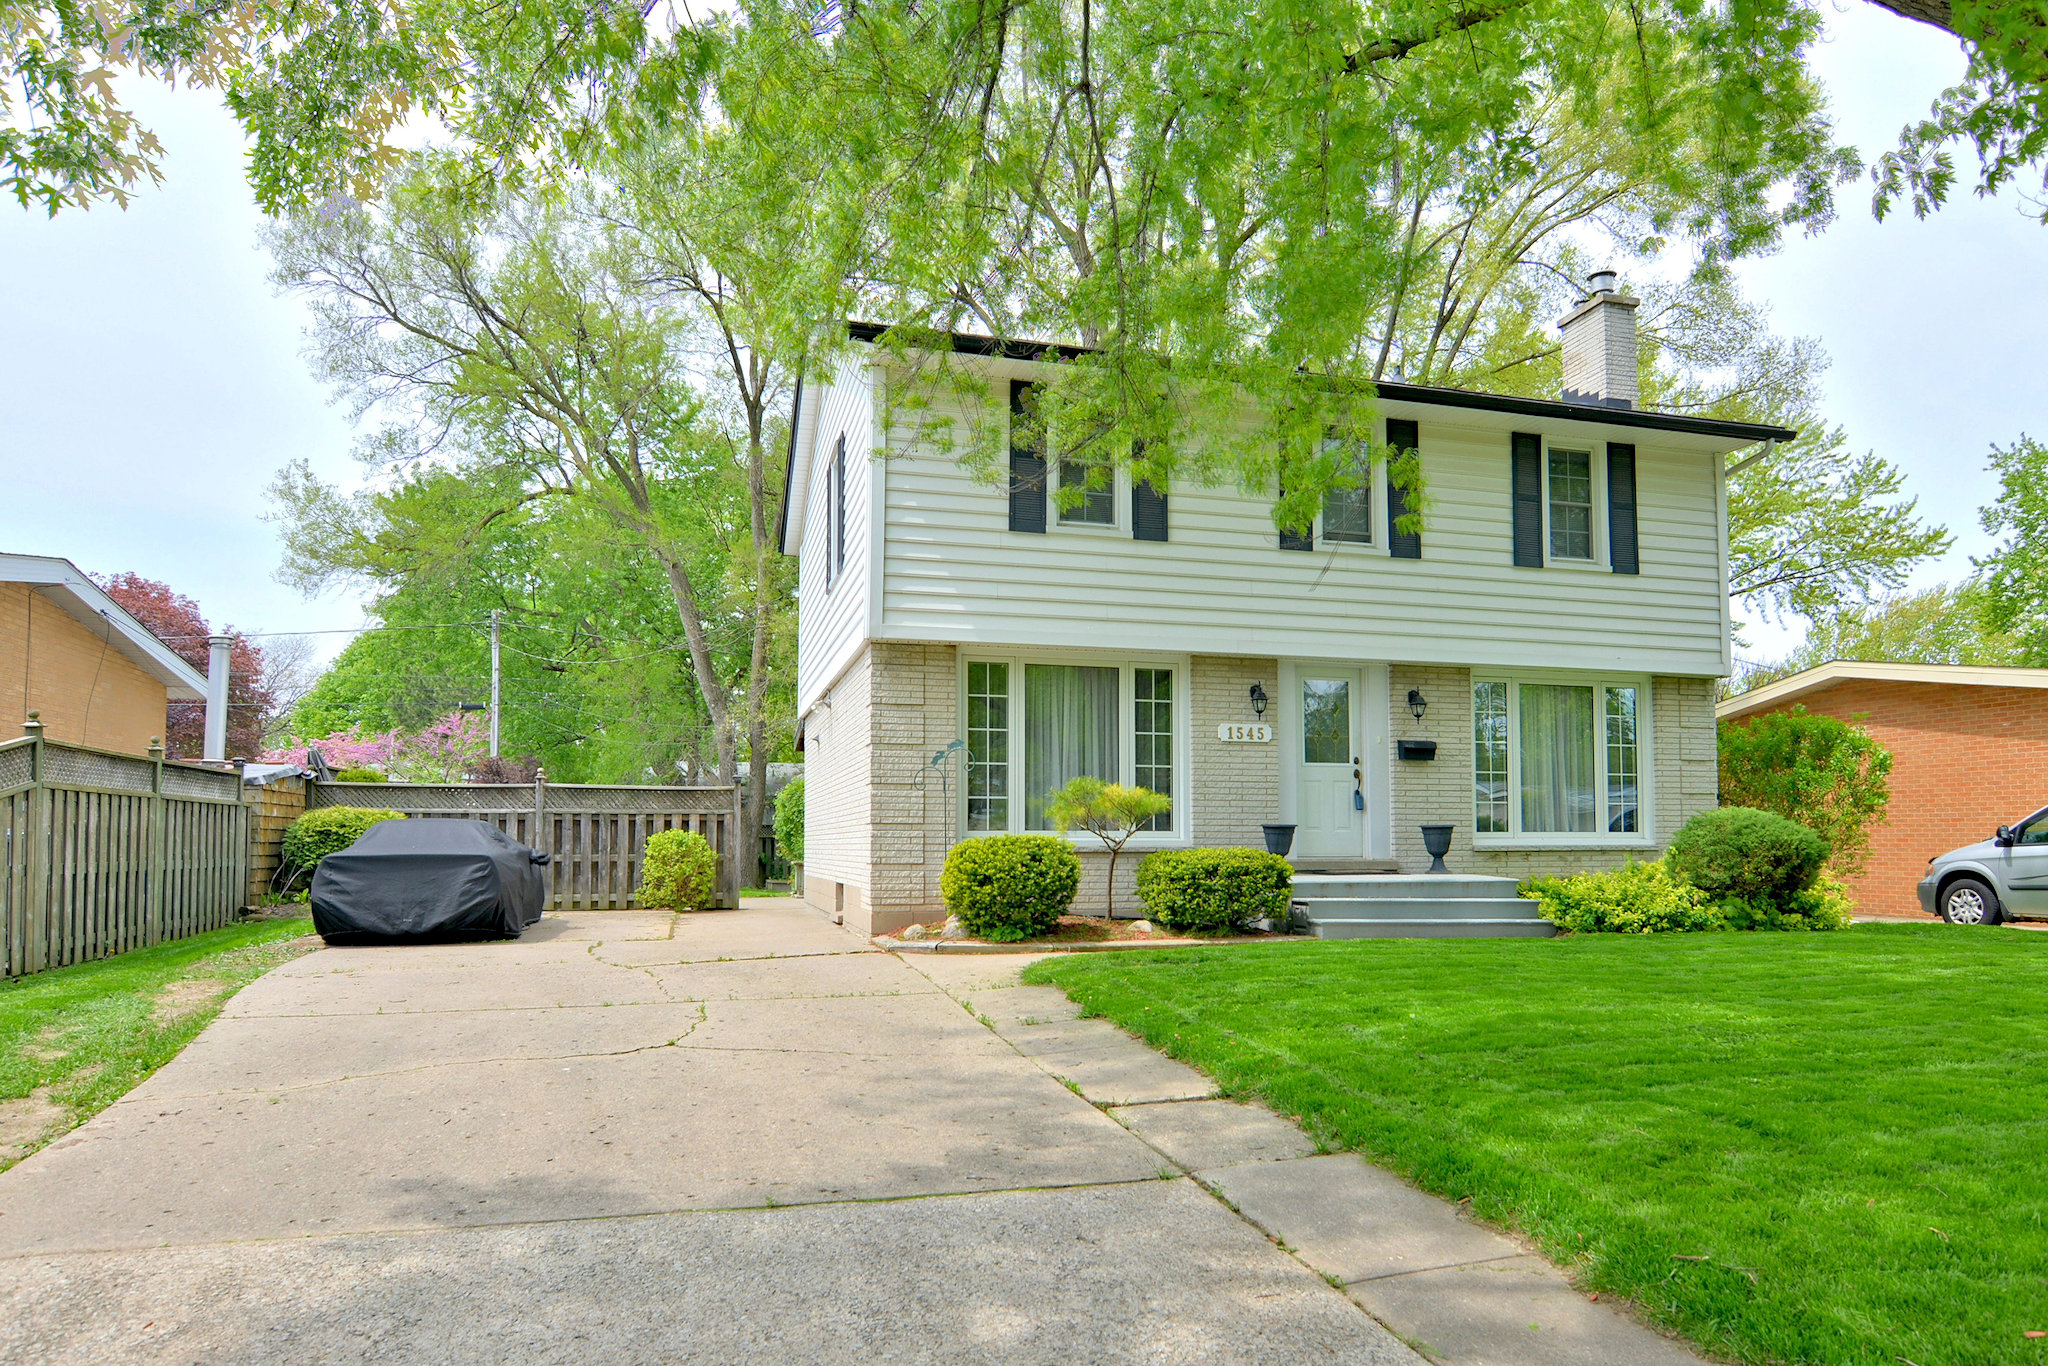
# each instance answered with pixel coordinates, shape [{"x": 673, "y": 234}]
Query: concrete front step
[
  {"x": 1517, "y": 928},
  {"x": 1417, "y": 908}
]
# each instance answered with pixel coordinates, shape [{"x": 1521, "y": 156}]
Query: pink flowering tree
[{"x": 442, "y": 753}]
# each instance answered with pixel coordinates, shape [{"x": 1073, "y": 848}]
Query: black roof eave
[{"x": 967, "y": 343}]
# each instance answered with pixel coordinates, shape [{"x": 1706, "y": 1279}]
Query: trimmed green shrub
[
  {"x": 1636, "y": 898},
  {"x": 789, "y": 821},
  {"x": 680, "y": 871},
  {"x": 1010, "y": 887},
  {"x": 1824, "y": 773},
  {"x": 328, "y": 830},
  {"x": 1824, "y": 906},
  {"x": 1736, "y": 851},
  {"x": 361, "y": 775},
  {"x": 1212, "y": 890}
]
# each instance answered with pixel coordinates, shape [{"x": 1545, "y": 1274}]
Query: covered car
[{"x": 430, "y": 878}]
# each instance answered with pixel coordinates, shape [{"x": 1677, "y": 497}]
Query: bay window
[
  {"x": 1558, "y": 760},
  {"x": 1033, "y": 726}
]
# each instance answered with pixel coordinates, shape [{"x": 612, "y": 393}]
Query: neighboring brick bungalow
[
  {"x": 1969, "y": 747},
  {"x": 70, "y": 652}
]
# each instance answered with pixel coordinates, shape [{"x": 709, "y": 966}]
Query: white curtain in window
[
  {"x": 1070, "y": 728},
  {"x": 1557, "y": 758}
]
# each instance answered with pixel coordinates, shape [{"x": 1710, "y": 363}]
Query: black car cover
[{"x": 429, "y": 878}]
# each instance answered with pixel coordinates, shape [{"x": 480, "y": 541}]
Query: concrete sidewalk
[{"x": 740, "y": 1136}]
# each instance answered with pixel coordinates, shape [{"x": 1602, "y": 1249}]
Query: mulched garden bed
[{"x": 1080, "y": 934}]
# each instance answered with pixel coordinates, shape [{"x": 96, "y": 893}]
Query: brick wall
[
  {"x": 916, "y": 706},
  {"x": 1440, "y": 790},
  {"x": 273, "y": 806},
  {"x": 88, "y": 692},
  {"x": 1965, "y": 760}
]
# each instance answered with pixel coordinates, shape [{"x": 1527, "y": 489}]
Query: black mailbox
[{"x": 1416, "y": 749}]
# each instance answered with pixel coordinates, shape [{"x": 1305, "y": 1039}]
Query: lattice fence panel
[{"x": 67, "y": 767}]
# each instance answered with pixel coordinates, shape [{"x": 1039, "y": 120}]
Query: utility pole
[{"x": 494, "y": 682}]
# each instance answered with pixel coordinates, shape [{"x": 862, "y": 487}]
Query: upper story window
[
  {"x": 1096, "y": 487},
  {"x": 1571, "y": 505},
  {"x": 1033, "y": 727},
  {"x": 835, "y": 515},
  {"x": 1556, "y": 759},
  {"x": 1347, "y": 513}
]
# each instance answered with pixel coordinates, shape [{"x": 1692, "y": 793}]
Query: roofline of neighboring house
[
  {"x": 1809, "y": 681},
  {"x": 971, "y": 344},
  {"x": 68, "y": 585}
]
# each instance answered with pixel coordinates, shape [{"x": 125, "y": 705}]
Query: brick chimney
[{"x": 1600, "y": 362}]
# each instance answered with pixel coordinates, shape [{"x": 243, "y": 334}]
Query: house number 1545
[{"x": 1241, "y": 733}]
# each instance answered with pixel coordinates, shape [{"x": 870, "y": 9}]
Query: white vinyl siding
[
  {"x": 953, "y": 571},
  {"x": 833, "y": 571}
]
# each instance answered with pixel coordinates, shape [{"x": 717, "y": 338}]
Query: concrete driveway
[{"x": 738, "y": 1136}]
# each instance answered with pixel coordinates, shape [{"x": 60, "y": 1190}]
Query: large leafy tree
[
  {"x": 2015, "y": 573},
  {"x": 509, "y": 347}
]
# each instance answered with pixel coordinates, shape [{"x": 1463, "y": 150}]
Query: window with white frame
[
  {"x": 1571, "y": 505},
  {"x": 1560, "y": 760},
  {"x": 1088, "y": 490},
  {"x": 1034, "y": 726}
]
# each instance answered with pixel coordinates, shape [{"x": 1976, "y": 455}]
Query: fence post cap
[
  {"x": 156, "y": 746},
  {"x": 34, "y": 725}
]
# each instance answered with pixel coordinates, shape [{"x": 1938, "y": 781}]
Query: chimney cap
[{"x": 1602, "y": 281}]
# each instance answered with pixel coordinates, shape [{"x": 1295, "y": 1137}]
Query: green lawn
[
  {"x": 74, "y": 1040},
  {"x": 1848, "y": 1131}
]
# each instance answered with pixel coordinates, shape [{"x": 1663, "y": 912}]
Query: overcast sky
[{"x": 153, "y": 384}]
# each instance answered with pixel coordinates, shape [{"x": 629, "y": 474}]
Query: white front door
[{"x": 1330, "y": 800}]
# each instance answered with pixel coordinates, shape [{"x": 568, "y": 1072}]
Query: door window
[{"x": 1325, "y": 721}]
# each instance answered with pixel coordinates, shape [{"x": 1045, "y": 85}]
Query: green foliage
[
  {"x": 361, "y": 775},
  {"x": 328, "y": 830},
  {"x": 1824, "y": 773},
  {"x": 1736, "y": 851},
  {"x": 1636, "y": 898},
  {"x": 1214, "y": 890},
  {"x": 680, "y": 872},
  {"x": 1826, "y": 905},
  {"x": 1010, "y": 887},
  {"x": 1111, "y": 812},
  {"x": 1945, "y": 624},
  {"x": 789, "y": 821},
  {"x": 2015, "y": 573}
]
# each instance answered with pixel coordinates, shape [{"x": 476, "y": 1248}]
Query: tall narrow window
[
  {"x": 1070, "y": 731},
  {"x": 1325, "y": 721},
  {"x": 1490, "y": 758},
  {"x": 838, "y": 547},
  {"x": 988, "y": 746},
  {"x": 1557, "y": 758},
  {"x": 1347, "y": 513},
  {"x": 1152, "y": 736},
  {"x": 1624, "y": 763},
  {"x": 1571, "y": 505},
  {"x": 1096, "y": 484}
]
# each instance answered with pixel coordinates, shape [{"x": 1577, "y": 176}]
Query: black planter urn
[
  {"x": 1436, "y": 842},
  {"x": 1279, "y": 839}
]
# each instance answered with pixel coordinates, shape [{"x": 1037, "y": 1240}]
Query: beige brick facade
[
  {"x": 88, "y": 693},
  {"x": 1685, "y": 773},
  {"x": 880, "y": 816}
]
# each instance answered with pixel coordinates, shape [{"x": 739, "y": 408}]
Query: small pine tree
[{"x": 1109, "y": 811}]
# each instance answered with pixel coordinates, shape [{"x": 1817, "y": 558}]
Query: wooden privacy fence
[
  {"x": 101, "y": 853},
  {"x": 597, "y": 835}
]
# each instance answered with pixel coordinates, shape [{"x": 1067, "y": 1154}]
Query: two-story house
[{"x": 1535, "y": 668}]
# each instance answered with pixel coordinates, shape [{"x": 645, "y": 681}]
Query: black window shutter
[
  {"x": 1621, "y": 507},
  {"x": 1148, "y": 512},
  {"x": 1528, "y": 490},
  {"x": 1027, "y": 467},
  {"x": 1403, "y": 436}
]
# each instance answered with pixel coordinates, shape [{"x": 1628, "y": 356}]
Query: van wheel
[{"x": 1967, "y": 901}]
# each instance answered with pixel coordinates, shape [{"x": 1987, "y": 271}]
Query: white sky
[{"x": 152, "y": 383}]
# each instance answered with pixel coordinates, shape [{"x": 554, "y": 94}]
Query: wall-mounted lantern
[
  {"x": 1258, "y": 700},
  {"x": 1417, "y": 703}
]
